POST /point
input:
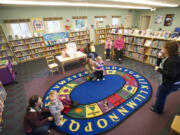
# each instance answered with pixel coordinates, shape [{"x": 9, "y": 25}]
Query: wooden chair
[
  {"x": 111, "y": 54},
  {"x": 175, "y": 126},
  {"x": 52, "y": 65}
]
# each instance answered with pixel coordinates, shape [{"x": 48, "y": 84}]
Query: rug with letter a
[{"x": 102, "y": 104}]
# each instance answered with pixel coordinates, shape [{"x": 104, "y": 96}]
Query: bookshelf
[
  {"x": 28, "y": 49},
  {"x": 3, "y": 95},
  {"x": 5, "y": 50},
  {"x": 80, "y": 37},
  {"x": 100, "y": 36},
  {"x": 143, "y": 49}
]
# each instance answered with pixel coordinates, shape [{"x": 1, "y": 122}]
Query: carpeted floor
[{"x": 34, "y": 76}]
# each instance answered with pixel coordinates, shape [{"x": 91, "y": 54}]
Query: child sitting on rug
[
  {"x": 55, "y": 107},
  {"x": 99, "y": 68}
]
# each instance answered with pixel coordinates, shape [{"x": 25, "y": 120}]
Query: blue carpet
[{"x": 91, "y": 91}]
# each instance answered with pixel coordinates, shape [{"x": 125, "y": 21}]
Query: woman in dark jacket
[
  {"x": 168, "y": 65},
  {"x": 35, "y": 122}
]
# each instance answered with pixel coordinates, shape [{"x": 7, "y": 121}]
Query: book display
[
  {"x": 5, "y": 50},
  {"x": 3, "y": 96},
  {"x": 80, "y": 37}
]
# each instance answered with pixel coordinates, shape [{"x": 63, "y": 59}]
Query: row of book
[
  {"x": 20, "y": 54},
  {"x": 3, "y": 47},
  {"x": 26, "y": 41},
  {"x": 139, "y": 49},
  {"x": 151, "y": 60},
  {"x": 78, "y": 33},
  {"x": 101, "y": 36},
  {"x": 3, "y": 95},
  {"x": 147, "y": 33},
  {"x": 21, "y": 48},
  {"x": 5, "y": 54},
  {"x": 37, "y": 45},
  {"x": 55, "y": 42},
  {"x": 101, "y": 31},
  {"x": 133, "y": 55}
]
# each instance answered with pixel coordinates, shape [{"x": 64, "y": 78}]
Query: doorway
[{"x": 145, "y": 22}]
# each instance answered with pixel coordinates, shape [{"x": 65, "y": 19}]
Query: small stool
[{"x": 175, "y": 126}]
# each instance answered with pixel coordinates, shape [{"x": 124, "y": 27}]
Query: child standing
[
  {"x": 99, "y": 69},
  {"x": 93, "y": 50},
  {"x": 118, "y": 48},
  {"x": 90, "y": 67},
  {"x": 55, "y": 107},
  {"x": 108, "y": 45}
]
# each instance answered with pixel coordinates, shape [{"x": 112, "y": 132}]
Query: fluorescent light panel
[
  {"x": 145, "y": 2},
  {"x": 44, "y": 3}
]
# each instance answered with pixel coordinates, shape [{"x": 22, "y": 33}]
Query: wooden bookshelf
[
  {"x": 3, "y": 96},
  {"x": 143, "y": 49},
  {"x": 80, "y": 37},
  {"x": 5, "y": 50},
  {"x": 28, "y": 49},
  {"x": 100, "y": 36}
]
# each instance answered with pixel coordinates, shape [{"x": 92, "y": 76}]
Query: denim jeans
[
  {"x": 163, "y": 91},
  {"x": 108, "y": 53},
  {"x": 42, "y": 130}
]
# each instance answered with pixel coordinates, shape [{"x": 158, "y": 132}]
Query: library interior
[{"x": 86, "y": 67}]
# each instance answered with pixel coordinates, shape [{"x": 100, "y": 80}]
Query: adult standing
[
  {"x": 118, "y": 48},
  {"x": 168, "y": 65}
]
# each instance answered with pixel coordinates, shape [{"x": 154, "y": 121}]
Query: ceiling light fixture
[
  {"x": 44, "y": 3},
  {"x": 145, "y": 2}
]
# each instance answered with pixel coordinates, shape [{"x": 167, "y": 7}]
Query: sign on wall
[
  {"x": 158, "y": 19},
  {"x": 38, "y": 24}
]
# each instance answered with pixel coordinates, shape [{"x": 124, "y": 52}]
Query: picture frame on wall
[{"x": 168, "y": 19}]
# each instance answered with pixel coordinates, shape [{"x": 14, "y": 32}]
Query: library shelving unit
[
  {"x": 3, "y": 95},
  {"x": 28, "y": 49},
  {"x": 80, "y": 37},
  {"x": 5, "y": 50},
  {"x": 100, "y": 35},
  {"x": 143, "y": 49}
]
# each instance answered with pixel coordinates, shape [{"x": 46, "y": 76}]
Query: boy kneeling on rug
[{"x": 100, "y": 69}]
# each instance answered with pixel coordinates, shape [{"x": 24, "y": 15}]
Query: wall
[
  {"x": 160, "y": 11},
  {"x": 65, "y": 12}
]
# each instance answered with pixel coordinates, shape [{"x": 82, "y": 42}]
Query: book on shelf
[
  {"x": 143, "y": 32},
  {"x": 149, "y": 33},
  {"x": 135, "y": 32},
  {"x": 166, "y": 34},
  {"x": 175, "y": 35},
  {"x": 125, "y": 31},
  {"x": 130, "y": 31},
  {"x": 120, "y": 31},
  {"x": 148, "y": 42}
]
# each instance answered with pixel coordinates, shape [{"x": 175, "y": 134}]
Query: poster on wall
[
  {"x": 38, "y": 24},
  {"x": 158, "y": 19},
  {"x": 168, "y": 19},
  {"x": 56, "y": 38}
]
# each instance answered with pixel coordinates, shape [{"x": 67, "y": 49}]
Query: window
[
  {"x": 80, "y": 24},
  {"x": 115, "y": 21},
  {"x": 100, "y": 21},
  {"x": 20, "y": 29},
  {"x": 54, "y": 26}
]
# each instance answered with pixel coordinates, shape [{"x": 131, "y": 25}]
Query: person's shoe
[
  {"x": 103, "y": 78},
  {"x": 98, "y": 80},
  {"x": 154, "y": 110}
]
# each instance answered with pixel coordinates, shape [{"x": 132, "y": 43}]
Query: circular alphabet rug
[{"x": 102, "y": 104}]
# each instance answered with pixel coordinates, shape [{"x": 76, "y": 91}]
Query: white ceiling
[{"x": 112, "y": 2}]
